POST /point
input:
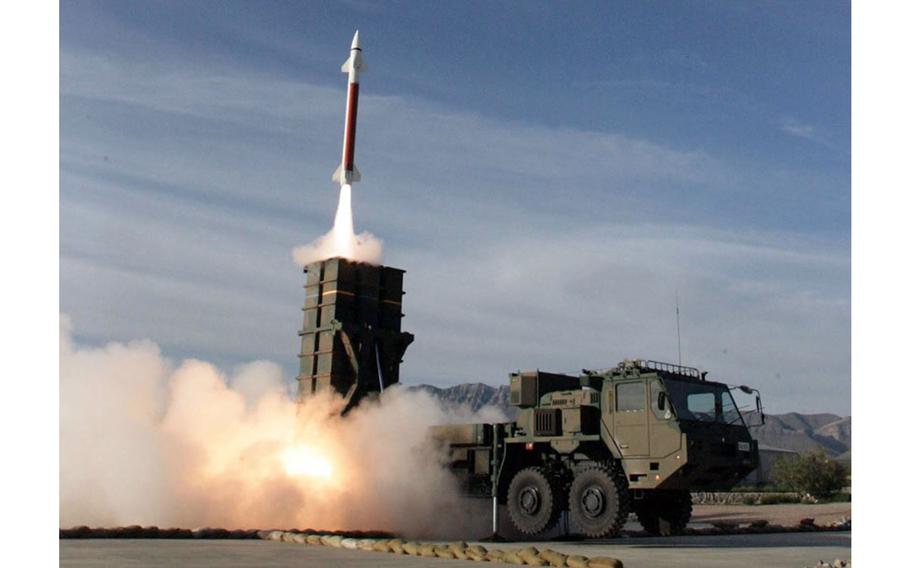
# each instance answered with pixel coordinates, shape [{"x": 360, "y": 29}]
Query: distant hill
[
  {"x": 792, "y": 431},
  {"x": 806, "y": 432},
  {"x": 473, "y": 395}
]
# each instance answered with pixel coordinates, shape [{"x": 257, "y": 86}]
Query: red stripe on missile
[{"x": 350, "y": 127}]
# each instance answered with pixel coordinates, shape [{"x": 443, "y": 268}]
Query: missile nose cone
[{"x": 355, "y": 43}]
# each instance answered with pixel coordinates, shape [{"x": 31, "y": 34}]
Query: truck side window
[
  {"x": 630, "y": 397},
  {"x": 661, "y": 414},
  {"x": 702, "y": 405}
]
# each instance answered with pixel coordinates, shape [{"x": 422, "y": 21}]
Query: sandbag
[
  {"x": 411, "y": 548},
  {"x": 381, "y": 545},
  {"x": 512, "y": 557},
  {"x": 495, "y": 555},
  {"x": 528, "y": 552},
  {"x": 444, "y": 552},
  {"x": 554, "y": 558},
  {"x": 577, "y": 561},
  {"x": 477, "y": 549}
]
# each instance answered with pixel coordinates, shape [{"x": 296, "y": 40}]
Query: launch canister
[{"x": 347, "y": 172}]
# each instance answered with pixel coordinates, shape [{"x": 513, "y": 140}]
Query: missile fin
[
  {"x": 343, "y": 176},
  {"x": 354, "y": 62}
]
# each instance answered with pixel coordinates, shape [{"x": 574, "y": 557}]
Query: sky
[{"x": 551, "y": 176}]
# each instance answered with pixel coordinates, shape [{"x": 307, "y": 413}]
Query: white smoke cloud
[
  {"x": 145, "y": 441},
  {"x": 341, "y": 240},
  {"x": 365, "y": 248}
]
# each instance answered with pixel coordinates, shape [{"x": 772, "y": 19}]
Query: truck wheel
[
  {"x": 666, "y": 513},
  {"x": 599, "y": 500},
  {"x": 532, "y": 501}
]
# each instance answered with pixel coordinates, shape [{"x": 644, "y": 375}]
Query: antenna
[{"x": 678, "y": 337}]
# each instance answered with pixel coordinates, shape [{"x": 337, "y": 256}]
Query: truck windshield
[{"x": 703, "y": 402}]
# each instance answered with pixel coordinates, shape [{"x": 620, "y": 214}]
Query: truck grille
[{"x": 547, "y": 422}]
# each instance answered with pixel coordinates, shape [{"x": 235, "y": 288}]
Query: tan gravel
[{"x": 784, "y": 514}]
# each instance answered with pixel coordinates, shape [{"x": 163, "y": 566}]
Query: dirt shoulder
[{"x": 784, "y": 514}]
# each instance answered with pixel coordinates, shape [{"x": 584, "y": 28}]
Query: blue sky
[{"x": 550, "y": 174}]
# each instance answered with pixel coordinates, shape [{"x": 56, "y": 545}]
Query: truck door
[
  {"x": 630, "y": 419},
  {"x": 665, "y": 438}
]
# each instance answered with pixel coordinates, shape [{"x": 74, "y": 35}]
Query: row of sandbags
[
  {"x": 529, "y": 556},
  {"x": 136, "y": 531}
]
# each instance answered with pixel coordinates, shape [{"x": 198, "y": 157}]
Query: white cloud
[
  {"x": 799, "y": 129},
  {"x": 593, "y": 295}
]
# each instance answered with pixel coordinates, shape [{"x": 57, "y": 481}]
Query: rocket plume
[
  {"x": 341, "y": 240},
  {"x": 343, "y": 230},
  {"x": 144, "y": 441}
]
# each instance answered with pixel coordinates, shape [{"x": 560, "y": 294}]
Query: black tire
[
  {"x": 666, "y": 513},
  {"x": 532, "y": 501},
  {"x": 599, "y": 500}
]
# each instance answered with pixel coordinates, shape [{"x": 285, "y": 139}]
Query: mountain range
[{"x": 793, "y": 431}]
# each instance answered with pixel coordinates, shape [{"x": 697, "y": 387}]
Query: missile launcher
[{"x": 351, "y": 341}]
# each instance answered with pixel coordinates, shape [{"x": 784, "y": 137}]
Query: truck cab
[{"x": 673, "y": 429}]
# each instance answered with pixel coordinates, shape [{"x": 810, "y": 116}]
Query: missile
[{"x": 347, "y": 172}]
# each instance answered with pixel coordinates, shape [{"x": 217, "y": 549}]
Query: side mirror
[
  {"x": 758, "y": 407},
  {"x": 662, "y": 401}
]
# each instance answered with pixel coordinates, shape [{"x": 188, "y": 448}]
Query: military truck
[{"x": 635, "y": 438}]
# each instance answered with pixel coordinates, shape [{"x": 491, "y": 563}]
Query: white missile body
[{"x": 347, "y": 172}]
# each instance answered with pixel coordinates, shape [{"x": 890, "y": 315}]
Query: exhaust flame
[
  {"x": 343, "y": 230},
  {"x": 341, "y": 239},
  {"x": 307, "y": 462}
]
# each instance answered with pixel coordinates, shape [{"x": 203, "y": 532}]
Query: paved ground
[
  {"x": 733, "y": 551},
  {"x": 790, "y": 549}
]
